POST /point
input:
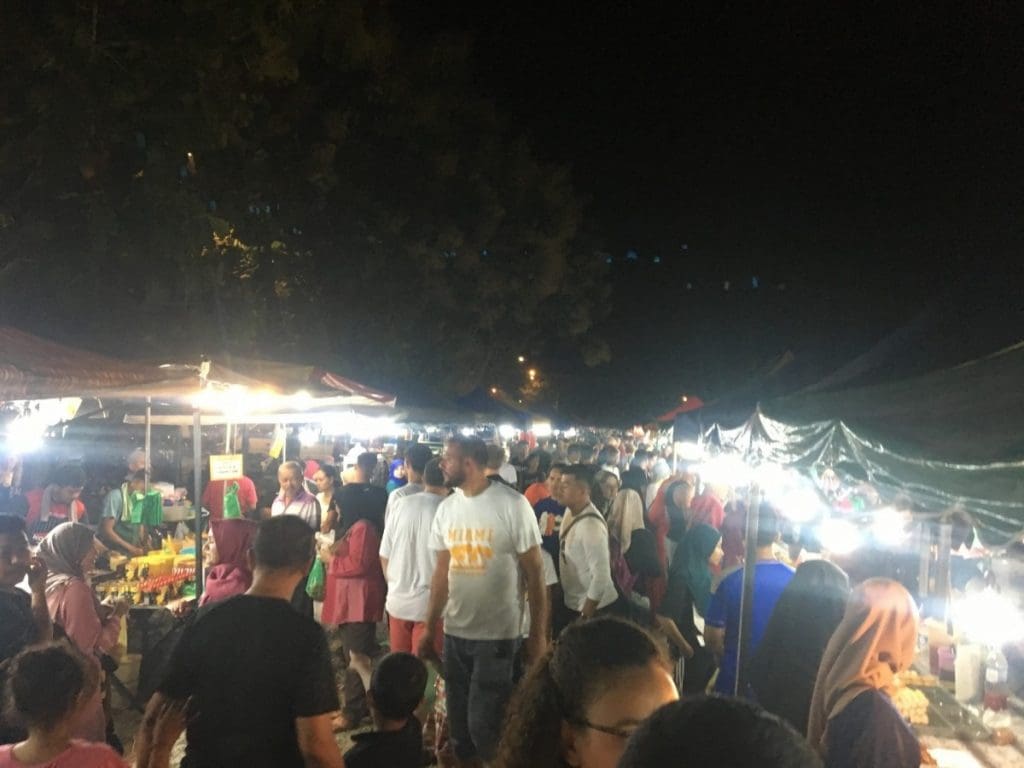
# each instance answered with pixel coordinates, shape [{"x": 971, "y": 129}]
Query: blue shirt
[{"x": 770, "y": 579}]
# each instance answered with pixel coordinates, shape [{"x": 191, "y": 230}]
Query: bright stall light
[
  {"x": 542, "y": 429},
  {"x": 309, "y": 436},
  {"x": 801, "y": 505},
  {"x": 358, "y": 426},
  {"x": 570, "y": 433},
  {"x": 725, "y": 469},
  {"x": 467, "y": 431},
  {"x": 689, "y": 451},
  {"x": 25, "y": 432},
  {"x": 988, "y": 617},
  {"x": 889, "y": 527},
  {"x": 507, "y": 431},
  {"x": 839, "y": 537}
]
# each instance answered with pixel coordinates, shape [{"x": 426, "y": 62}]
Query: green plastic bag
[
  {"x": 147, "y": 508},
  {"x": 232, "y": 509},
  {"x": 315, "y": 582}
]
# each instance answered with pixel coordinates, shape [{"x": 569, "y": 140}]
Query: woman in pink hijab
[{"x": 230, "y": 542}]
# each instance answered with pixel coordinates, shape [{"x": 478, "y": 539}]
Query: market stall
[{"x": 918, "y": 480}]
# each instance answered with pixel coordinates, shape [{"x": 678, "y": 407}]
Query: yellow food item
[
  {"x": 912, "y": 704},
  {"x": 916, "y": 680}
]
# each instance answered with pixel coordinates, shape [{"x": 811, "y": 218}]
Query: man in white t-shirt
[
  {"x": 585, "y": 570},
  {"x": 485, "y": 535},
  {"x": 408, "y": 561},
  {"x": 416, "y": 458}
]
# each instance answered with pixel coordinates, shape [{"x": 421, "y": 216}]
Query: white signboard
[{"x": 226, "y": 467}]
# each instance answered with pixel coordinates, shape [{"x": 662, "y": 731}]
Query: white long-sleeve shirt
[{"x": 586, "y": 569}]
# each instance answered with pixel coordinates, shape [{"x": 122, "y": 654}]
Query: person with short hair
[
  {"x": 294, "y": 499},
  {"x": 396, "y": 691},
  {"x": 496, "y": 461},
  {"x": 57, "y": 503},
  {"x": 137, "y": 462},
  {"x": 582, "y": 701},
  {"x": 711, "y": 730},
  {"x": 608, "y": 458},
  {"x": 722, "y": 621},
  {"x": 408, "y": 561},
  {"x": 486, "y": 538},
  {"x": 416, "y": 458},
  {"x": 213, "y": 496},
  {"x": 24, "y": 616},
  {"x": 49, "y": 688},
  {"x": 549, "y": 511},
  {"x": 360, "y": 499},
  {"x": 256, "y": 674},
  {"x": 538, "y": 468},
  {"x": 117, "y": 530},
  {"x": 584, "y": 556}
]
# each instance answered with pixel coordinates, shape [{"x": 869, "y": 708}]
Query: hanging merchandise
[
  {"x": 278, "y": 445},
  {"x": 232, "y": 509},
  {"x": 147, "y": 508}
]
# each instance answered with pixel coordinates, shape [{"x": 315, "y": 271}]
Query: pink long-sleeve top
[
  {"x": 355, "y": 588},
  {"x": 73, "y": 608}
]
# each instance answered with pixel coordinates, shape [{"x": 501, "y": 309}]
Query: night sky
[
  {"x": 790, "y": 184},
  {"x": 866, "y": 159}
]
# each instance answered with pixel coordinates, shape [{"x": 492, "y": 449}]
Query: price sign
[{"x": 226, "y": 466}]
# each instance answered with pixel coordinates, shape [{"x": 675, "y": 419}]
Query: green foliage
[{"x": 293, "y": 178}]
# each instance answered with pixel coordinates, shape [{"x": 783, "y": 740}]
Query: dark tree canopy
[{"x": 292, "y": 178}]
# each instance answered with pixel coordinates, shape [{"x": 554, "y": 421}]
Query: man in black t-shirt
[
  {"x": 257, "y": 674},
  {"x": 362, "y": 500}
]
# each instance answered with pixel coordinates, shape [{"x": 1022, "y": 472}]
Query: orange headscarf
[{"x": 876, "y": 639}]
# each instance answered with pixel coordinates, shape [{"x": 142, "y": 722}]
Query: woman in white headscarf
[
  {"x": 69, "y": 551},
  {"x": 853, "y": 722}
]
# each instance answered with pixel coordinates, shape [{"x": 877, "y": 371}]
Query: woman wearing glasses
[{"x": 581, "y": 703}]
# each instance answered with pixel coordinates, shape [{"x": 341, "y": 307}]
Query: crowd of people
[{"x": 543, "y": 607}]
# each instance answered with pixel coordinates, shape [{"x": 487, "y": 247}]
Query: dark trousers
[
  {"x": 479, "y": 676},
  {"x": 361, "y": 638}
]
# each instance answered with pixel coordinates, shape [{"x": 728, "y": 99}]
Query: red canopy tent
[
  {"x": 689, "y": 403},
  {"x": 35, "y": 368}
]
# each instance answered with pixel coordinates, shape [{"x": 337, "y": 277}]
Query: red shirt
[
  {"x": 59, "y": 511},
  {"x": 355, "y": 588},
  {"x": 708, "y": 510},
  {"x": 213, "y": 496}
]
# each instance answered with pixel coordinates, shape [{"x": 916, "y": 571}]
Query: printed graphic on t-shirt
[{"x": 470, "y": 548}]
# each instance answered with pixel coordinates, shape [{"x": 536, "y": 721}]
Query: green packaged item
[
  {"x": 147, "y": 508},
  {"x": 315, "y": 582},
  {"x": 232, "y": 509}
]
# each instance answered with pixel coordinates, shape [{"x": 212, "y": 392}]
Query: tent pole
[
  {"x": 747, "y": 597},
  {"x": 197, "y": 473},
  {"x": 149, "y": 439}
]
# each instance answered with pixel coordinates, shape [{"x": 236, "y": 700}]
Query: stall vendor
[
  {"x": 57, "y": 503},
  {"x": 117, "y": 530}
]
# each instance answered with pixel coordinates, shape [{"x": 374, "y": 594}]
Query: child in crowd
[
  {"x": 50, "y": 689},
  {"x": 396, "y": 690},
  {"x": 728, "y": 733}
]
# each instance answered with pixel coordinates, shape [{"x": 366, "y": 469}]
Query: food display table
[{"x": 955, "y": 735}]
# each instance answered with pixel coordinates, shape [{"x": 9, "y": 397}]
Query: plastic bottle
[{"x": 996, "y": 690}]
